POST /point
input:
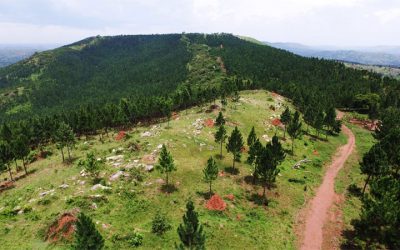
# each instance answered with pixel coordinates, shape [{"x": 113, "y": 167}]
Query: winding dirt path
[{"x": 317, "y": 211}]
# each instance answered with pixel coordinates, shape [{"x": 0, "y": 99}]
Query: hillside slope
[
  {"x": 137, "y": 195},
  {"x": 100, "y": 70}
]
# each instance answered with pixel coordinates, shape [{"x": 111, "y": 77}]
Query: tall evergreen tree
[
  {"x": 285, "y": 119},
  {"x": 220, "y": 119},
  {"x": 87, "y": 237},
  {"x": 374, "y": 163},
  {"x": 165, "y": 163},
  {"x": 21, "y": 149},
  {"x": 254, "y": 152},
  {"x": 210, "y": 172},
  {"x": 294, "y": 128},
  {"x": 319, "y": 122},
  {"x": 235, "y": 145},
  {"x": 330, "y": 118},
  {"x": 6, "y": 156},
  {"x": 266, "y": 169},
  {"x": 251, "y": 139},
  {"x": 220, "y": 137},
  {"x": 191, "y": 231}
]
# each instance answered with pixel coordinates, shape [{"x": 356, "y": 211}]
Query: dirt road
[{"x": 318, "y": 208}]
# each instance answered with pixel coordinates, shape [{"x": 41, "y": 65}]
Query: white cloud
[{"x": 389, "y": 15}]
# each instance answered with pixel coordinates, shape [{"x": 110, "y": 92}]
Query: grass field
[
  {"x": 130, "y": 205},
  {"x": 351, "y": 175}
]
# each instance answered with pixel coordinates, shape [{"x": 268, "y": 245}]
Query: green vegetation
[
  {"x": 137, "y": 198},
  {"x": 87, "y": 237}
]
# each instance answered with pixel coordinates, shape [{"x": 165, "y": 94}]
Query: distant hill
[
  {"x": 101, "y": 70},
  {"x": 10, "y": 54},
  {"x": 379, "y": 55}
]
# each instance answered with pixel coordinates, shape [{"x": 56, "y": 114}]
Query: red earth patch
[
  {"x": 121, "y": 135},
  {"x": 209, "y": 123},
  {"x": 62, "y": 229},
  {"x": 216, "y": 203}
]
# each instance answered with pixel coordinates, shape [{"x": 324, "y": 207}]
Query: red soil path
[{"x": 318, "y": 209}]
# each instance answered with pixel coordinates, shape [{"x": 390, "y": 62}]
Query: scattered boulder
[
  {"x": 146, "y": 134},
  {"x": 149, "y": 168},
  {"x": 298, "y": 164},
  {"x": 64, "y": 186},
  {"x": 149, "y": 159},
  {"x": 116, "y": 176},
  {"x": 115, "y": 158},
  {"x": 99, "y": 186},
  {"x": 51, "y": 192}
]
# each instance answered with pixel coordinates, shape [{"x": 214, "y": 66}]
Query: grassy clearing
[
  {"x": 131, "y": 205},
  {"x": 351, "y": 175}
]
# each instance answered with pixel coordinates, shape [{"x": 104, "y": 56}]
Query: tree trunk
[
  {"x": 16, "y": 164},
  {"x": 69, "y": 153},
  {"x": 254, "y": 176},
  {"x": 292, "y": 146},
  {"x": 62, "y": 153},
  {"x": 23, "y": 164},
  {"x": 366, "y": 183},
  {"x": 166, "y": 178},
  {"x": 264, "y": 195},
  {"x": 233, "y": 165},
  {"x": 284, "y": 133},
  {"x": 221, "y": 151},
  {"x": 9, "y": 171},
  {"x": 210, "y": 188}
]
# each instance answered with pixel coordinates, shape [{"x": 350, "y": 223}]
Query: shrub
[
  {"x": 160, "y": 224},
  {"x": 135, "y": 239}
]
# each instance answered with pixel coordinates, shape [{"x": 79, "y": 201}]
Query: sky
[{"x": 311, "y": 22}]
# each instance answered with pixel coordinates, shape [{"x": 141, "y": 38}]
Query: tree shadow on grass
[
  {"x": 354, "y": 190},
  {"x": 250, "y": 180},
  {"x": 205, "y": 195},
  {"x": 168, "y": 189},
  {"x": 258, "y": 199},
  {"x": 231, "y": 170}
]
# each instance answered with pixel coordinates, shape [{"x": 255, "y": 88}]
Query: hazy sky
[{"x": 314, "y": 22}]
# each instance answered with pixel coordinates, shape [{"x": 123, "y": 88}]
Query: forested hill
[{"x": 100, "y": 70}]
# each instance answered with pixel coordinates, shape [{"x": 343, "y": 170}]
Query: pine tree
[
  {"x": 87, "y": 237},
  {"x": 252, "y": 137},
  {"x": 6, "y": 156},
  {"x": 267, "y": 169},
  {"x": 374, "y": 163},
  {"x": 190, "y": 231},
  {"x": 285, "y": 119},
  {"x": 21, "y": 149},
  {"x": 319, "y": 122},
  {"x": 220, "y": 121},
  {"x": 278, "y": 153},
  {"x": 90, "y": 164},
  {"x": 5, "y": 133},
  {"x": 254, "y": 152},
  {"x": 220, "y": 137},
  {"x": 210, "y": 172},
  {"x": 330, "y": 118},
  {"x": 235, "y": 145},
  {"x": 165, "y": 163},
  {"x": 294, "y": 128},
  {"x": 64, "y": 137}
]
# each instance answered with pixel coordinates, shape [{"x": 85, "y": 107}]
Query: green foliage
[
  {"x": 165, "y": 163},
  {"x": 285, "y": 118},
  {"x": 374, "y": 163},
  {"x": 90, "y": 164},
  {"x": 235, "y": 145},
  {"x": 135, "y": 239},
  {"x": 294, "y": 128},
  {"x": 86, "y": 236},
  {"x": 191, "y": 231},
  {"x": 220, "y": 137},
  {"x": 220, "y": 119},
  {"x": 210, "y": 172},
  {"x": 251, "y": 139},
  {"x": 160, "y": 223}
]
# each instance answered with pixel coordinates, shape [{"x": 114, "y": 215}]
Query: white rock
[
  {"x": 116, "y": 175},
  {"x": 115, "y": 158},
  {"x": 159, "y": 146},
  {"x": 149, "y": 168},
  {"x": 93, "y": 206},
  {"x": 99, "y": 186},
  {"x": 146, "y": 134},
  {"x": 64, "y": 186},
  {"x": 136, "y": 161},
  {"x": 46, "y": 193}
]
